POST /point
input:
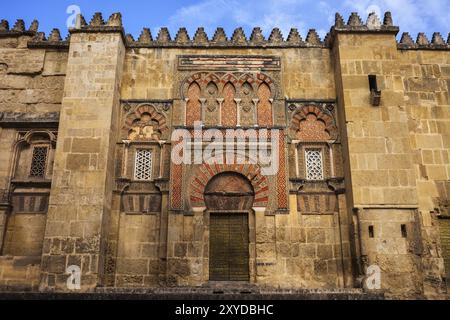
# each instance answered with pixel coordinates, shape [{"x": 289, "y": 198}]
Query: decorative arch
[
  {"x": 145, "y": 123},
  {"x": 312, "y": 123},
  {"x": 253, "y": 97},
  {"x": 229, "y": 109},
  {"x": 206, "y": 172},
  {"x": 30, "y": 136},
  {"x": 193, "y": 106},
  {"x": 202, "y": 79},
  {"x": 264, "y": 110},
  {"x": 23, "y": 151},
  {"x": 230, "y": 190}
]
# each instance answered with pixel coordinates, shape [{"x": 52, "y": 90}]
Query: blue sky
[{"x": 411, "y": 15}]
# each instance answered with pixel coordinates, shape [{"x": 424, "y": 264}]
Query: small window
[
  {"x": 143, "y": 165},
  {"x": 373, "y": 83},
  {"x": 39, "y": 162},
  {"x": 314, "y": 165},
  {"x": 371, "y": 232},
  {"x": 404, "y": 231}
]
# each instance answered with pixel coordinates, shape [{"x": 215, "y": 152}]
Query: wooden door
[{"x": 229, "y": 247}]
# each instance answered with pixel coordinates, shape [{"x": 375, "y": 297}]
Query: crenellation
[
  {"x": 115, "y": 20},
  {"x": 257, "y": 36},
  {"x": 388, "y": 21},
  {"x": 219, "y": 36},
  {"x": 327, "y": 40},
  {"x": 422, "y": 40},
  {"x": 355, "y": 20},
  {"x": 437, "y": 39},
  {"x": 406, "y": 40},
  {"x": 4, "y": 25},
  {"x": 276, "y": 36},
  {"x": 200, "y": 36},
  {"x": 55, "y": 36},
  {"x": 54, "y": 40},
  {"x": 339, "y": 21},
  {"x": 294, "y": 37},
  {"x": 34, "y": 26},
  {"x": 145, "y": 36},
  {"x": 97, "y": 20},
  {"x": 80, "y": 22},
  {"x": 129, "y": 39},
  {"x": 313, "y": 38},
  {"x": 182, "y": 36},
  {"x": 19, "y": 26},
  {"x": 422, "y": 43},
  {"x": 163, "y": 36},
  {"x": 238, "y": 36},
  {"x": 373, "y": 22}
]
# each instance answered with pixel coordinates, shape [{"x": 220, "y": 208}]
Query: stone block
[
  {"x": 132, "y": 266},
  {"x": 56, "y": 264},
  {"x": 86, "y": 145},
  {"x": 180, "y": 250},
  {"x": 315, "y": 235},
  {"x": 325, "y": 252},
  {"x": 78, "y": 162}
]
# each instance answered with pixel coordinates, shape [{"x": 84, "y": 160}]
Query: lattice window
[
  {"x": 143, "y": 165},
  {"x": 39, "y": 162},
  {"x": 314, "y": 165}
]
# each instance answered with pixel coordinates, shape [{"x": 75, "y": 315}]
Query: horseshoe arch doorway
[{"x": 229, "y": 198}]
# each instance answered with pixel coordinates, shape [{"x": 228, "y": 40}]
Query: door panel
[{"x": 229, "y": 240}]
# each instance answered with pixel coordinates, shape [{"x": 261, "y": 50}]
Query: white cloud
[
  {"x": 411, "y": 15},
  {"x": 205, "y": 13},
  {"x": 266, "y": 14}
]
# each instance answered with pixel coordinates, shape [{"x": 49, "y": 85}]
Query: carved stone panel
[
  {"x": 148, "y": 121},
  {"x": 229, "y": 99}
]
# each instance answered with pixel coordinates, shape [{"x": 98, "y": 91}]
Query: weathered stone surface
[{"x": 384, "y": 170}]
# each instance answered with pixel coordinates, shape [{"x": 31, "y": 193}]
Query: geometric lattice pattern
[
  {"x": 143, "y": 165},
  {"x": 38, "y": 162},
  {"x": 314, "y": 165}
]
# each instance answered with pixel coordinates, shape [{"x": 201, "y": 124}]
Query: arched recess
[
  {"x": 145, "y": 123},
  {"x": 265, "y": 115},
  {"x": 229, "y": 109},
  {"x": 206, "y": 172},
  {"x": 230, "y": 190},
  {"x": 210, "y": 109},
  {"x": 312, "y": 123},
  {"x": 23, "y": 153},
  {"x": 194, "y": 90},
  {"x": 247, "y": 110},
  {"x": 193, "y": 106}
]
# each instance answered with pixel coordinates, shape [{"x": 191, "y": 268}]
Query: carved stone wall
[
  {"x": 363, "y": 175},
  {"x": 229, "y": 98}
]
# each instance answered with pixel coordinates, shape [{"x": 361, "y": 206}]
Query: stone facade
[{"x": 88, "y": 179}]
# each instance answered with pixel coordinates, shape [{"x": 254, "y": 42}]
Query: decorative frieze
[
  {"x": 29, "y": 119},
  {"x": 225, "y": 63}
]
